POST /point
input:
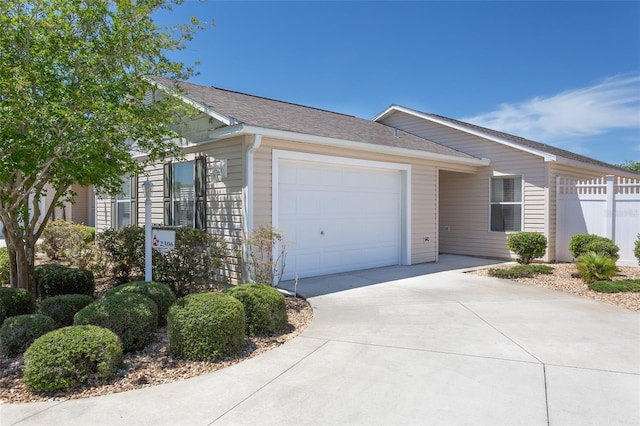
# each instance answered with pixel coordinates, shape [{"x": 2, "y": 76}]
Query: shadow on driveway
[{"x": 327, "y": 284}]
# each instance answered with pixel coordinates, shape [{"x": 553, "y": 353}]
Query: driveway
[{"x": 407, "y": 345}]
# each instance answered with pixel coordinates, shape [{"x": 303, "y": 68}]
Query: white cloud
[{"x": 611, "y": 104}]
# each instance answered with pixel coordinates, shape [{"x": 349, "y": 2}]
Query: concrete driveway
[{"x": 407, "y": 345}]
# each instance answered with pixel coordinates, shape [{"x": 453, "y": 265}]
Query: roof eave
[
  {"x": 244, "y": 129},
  {"x": 229, "y": 121},
  {"x": 397, "y": 108}
]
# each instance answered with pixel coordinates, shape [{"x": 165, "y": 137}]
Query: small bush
[
  {"x": 527, "y": 245},
  {"x": 160, "y": 293},
  {"x": 193, "y": 264},
  {"x": 70, "y": 356},
  {"x": 123, "y": 252},
  {"x": 3, "y": 314},
  {"x": 17, "y": 333},
  {"x": 264, "y": 307},
  {"x": 265, "y": 265},
  {"x": 16, "y": 301},
  {"x": 133, "y": 317},
  {"x": 520, "y": 271},
  {"x": 636, "y": 249},
  {"x": 4, "y": 265},
  {"x": 69, "y": 242},
  {"x": 619, "y": 286},
  {"x": 594, "y": 266},
  {"x": 53, "y": 279},
  {"x": 63, "y": 307},
  {"x": 582, "y": 243},
  {"x": 206, "y": 327}
]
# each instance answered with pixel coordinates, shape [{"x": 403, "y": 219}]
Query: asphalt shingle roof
[{"x": 279, "y": 115}]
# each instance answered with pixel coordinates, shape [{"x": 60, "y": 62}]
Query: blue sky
[{"x": 562, "y": 73}]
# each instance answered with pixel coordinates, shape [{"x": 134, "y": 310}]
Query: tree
[
  {"x": 633, "y": 166},
  {"x": 75, "y": 105}
]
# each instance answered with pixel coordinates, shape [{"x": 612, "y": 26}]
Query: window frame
[
  {"x": 492, "y": 203},
  {"x": 117, "y": 202},
  {"x": 199, "y": 176}
]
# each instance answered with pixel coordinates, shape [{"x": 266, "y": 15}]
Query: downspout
[{"x": 248, "y": 198}]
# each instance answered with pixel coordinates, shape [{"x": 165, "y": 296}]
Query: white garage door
[{"x": 338, "y": 218}]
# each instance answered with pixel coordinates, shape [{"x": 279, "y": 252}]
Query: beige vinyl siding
[
  {"x": 224, "y": 199},
  {"x": 81, "y": 206},
  {"x": 464, "y": 199},
  {"x": 423, "y": 190}
]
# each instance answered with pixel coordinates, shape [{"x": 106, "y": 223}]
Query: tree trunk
[{"x": 22, "y": 259}]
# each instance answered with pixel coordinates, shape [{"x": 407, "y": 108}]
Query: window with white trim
[
  {"x": 506, "y": 203},
  {"x": 184, "y": 193},
  {"x": 124, "y": 205}
]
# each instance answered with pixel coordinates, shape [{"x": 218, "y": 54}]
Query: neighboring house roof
[
  {"x": 234, "y": 108},
  {"x": 547, "y": 151}
]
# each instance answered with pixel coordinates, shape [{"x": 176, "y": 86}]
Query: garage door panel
[{"x": 338, "y": 218}]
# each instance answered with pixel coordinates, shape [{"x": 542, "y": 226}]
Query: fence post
[{"x": 610, "y": 211}]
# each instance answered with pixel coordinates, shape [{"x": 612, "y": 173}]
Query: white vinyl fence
[{"x": 607, "y": 206}]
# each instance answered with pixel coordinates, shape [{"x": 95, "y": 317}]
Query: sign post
[{"x": 148, "y": 186}]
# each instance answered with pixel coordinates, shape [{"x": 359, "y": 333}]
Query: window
[
  {"x": 124, "y": 206},
  {"x": 506, "y": 203},
  {"x": 184, "y": 193}
]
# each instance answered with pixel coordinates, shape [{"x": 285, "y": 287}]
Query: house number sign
[{"x": 163, "y": 240}]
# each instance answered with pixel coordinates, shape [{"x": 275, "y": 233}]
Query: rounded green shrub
[
  {"x": 206, "y": 327},
  {"x": 63, "y": 307},
  {"x": 618, "y": 286},
  {"x": 17, "y": 333},
  {"x": 594, "y": 266},
  {"x": 4, "y": 265},
  {"x": 133, "y": 317},
  {"x": 70, "y": 356},
  {"x": 636, "y": 248},
  {"x": 16, "y": 301},
  {"x": 53, "y": 279},
  {"x": 160, "y": 293},
  {"x": 582, "y": 243},
  {"x": 527, "y": 245},
  {"x": 264, "y": 307}
]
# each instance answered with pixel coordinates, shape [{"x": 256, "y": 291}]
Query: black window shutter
[
  {"x": 167, "y": 188},
  {"x": 201, "y": 192},
  {"x": 134, "y": 199},
  {"x": 114, "y": 225}
]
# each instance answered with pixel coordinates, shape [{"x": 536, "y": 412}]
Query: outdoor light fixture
[{"x": 219, "y": 170}]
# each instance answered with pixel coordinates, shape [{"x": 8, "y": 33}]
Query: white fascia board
[
  {"x": 341, "y": 143},
  {"x": 229, "y": 121},
  {"x": 398, "y": 108},
  {"x": 595, "y": 167}
]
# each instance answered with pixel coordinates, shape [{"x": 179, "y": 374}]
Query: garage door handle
[{"x": 321, "y": 232}]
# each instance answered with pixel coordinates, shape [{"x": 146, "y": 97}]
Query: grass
[
  {"x": 619, "y": 286},
  {"x": 520, "y": 271}
]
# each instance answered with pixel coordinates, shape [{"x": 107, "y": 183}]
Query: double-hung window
[
  {"x": 184, "y": 193},
  {"x": 124, "y": 205},
  {"x": 506, "y": 203}
]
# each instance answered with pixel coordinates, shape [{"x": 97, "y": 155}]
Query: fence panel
[{"x": 606, "y": 206}]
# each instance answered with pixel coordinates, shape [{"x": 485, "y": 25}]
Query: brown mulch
[
  {"x": 562, "y": 280},
  {"x": 153, "y": 365}
]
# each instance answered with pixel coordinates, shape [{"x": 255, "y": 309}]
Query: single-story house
[{"x": 348, "y": 193}]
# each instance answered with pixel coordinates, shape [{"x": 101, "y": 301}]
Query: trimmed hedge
[
  {"x": 160, "y": 293},
  {"x": 53, "y": 279},
  {"x": 16, "y": 301},
  {"x": 70, "y": 356},
  {"x": 264, "y": 307},
  {"x": 17, "y": 333},
  {"x": 206, "y": 327},
  {"x": 581, "y": 244},
  {"x": 63, "y": 307},
  {"x": 527, "y": 245},
  {"x": 133, "y": 317}
]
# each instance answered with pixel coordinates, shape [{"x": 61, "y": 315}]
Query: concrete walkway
[{"x": 407, "y": 345}]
